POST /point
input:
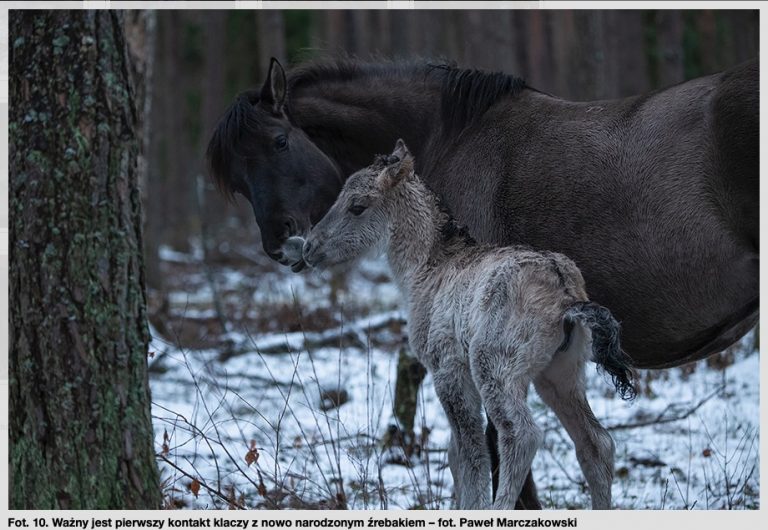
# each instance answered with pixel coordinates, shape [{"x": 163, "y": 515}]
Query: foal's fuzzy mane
[
  {"x": 382, "y": 161},
  {"x": 451, "y": 230}
]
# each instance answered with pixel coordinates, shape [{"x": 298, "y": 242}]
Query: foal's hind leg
[
  {"x": 561, "y": 385},
  {"x": 503, "y": 388}
]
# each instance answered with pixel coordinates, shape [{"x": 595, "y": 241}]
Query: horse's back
[{"x": 639, "y": 193}]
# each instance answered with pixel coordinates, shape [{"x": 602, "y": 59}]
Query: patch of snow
[{"x": 213, "y": 410}]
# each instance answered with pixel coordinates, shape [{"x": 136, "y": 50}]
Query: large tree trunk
[{"x": 80, "y": 425}]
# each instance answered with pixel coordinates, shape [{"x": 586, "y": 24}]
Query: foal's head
[{"x": 358, "y": 219}]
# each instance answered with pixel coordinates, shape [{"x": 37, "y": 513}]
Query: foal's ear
[
  {"x": 273, "y": 91},
  {"x": 401, "y": 150},
  {"x": 399, "y": 166}
]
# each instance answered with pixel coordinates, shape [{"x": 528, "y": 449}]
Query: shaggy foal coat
[{"x": 487, "y": 322}]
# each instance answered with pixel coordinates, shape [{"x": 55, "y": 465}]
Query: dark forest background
[{"x": 197, "y": 61}]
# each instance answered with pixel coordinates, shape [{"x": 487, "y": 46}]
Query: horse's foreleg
[
  {"x": 410, "y": 375},
  {"x": 529, "y": 496}
]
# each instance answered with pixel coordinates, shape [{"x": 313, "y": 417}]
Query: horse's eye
[
  {"x": 281, "y": 142},
  {"x": 357, "y": 209}
]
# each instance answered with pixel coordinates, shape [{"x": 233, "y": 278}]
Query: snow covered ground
[{"x": 239, "y": 419}]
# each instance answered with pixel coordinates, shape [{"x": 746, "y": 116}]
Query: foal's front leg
[
  {"x": 468, "y": 454},
  {"x": 503, "y": 387}
]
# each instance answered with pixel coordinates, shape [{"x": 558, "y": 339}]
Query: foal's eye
[
  {"x": 357, "y": 209},
  {"x": 281, "y": 142}
]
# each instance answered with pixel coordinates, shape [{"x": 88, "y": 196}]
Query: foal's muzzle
[{"x": 312, "y": 256}]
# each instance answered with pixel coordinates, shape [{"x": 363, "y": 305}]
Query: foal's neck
[
  {"x": 351, "y": 120},
  {"x": 417, "y": 239}
]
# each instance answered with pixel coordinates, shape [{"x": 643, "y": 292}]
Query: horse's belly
[{"x": 675, "y": 305}]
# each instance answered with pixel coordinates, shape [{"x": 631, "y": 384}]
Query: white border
[{"x": 596, "y": 520}]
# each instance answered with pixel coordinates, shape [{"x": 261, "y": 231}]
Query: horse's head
[
  {"x": 257, "y": 152},
  {"x": 359, "y": 218}
]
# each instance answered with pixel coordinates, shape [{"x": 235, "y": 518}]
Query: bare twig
[
  {"x": 213, "y": 491},
  {"x": 205, "y": 237},
  {"x": 660, "y": 419}
]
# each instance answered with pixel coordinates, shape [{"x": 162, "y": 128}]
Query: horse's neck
[
  {"x": 352, "y": 121},
  {"x": 414, "y": 235}
]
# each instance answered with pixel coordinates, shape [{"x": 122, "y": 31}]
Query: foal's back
[{"x": 499, "y": 295}]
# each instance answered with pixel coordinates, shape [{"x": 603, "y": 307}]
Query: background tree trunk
[
  {"x": 80, "y": 427},
  {"x": 671, "y": 66},
  {"x": 140, "y": 34},
  {"x": 271, "y": 29}
]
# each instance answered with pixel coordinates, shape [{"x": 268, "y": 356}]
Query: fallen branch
[
  {"x": 353, "y": 334},
  {"x": 660, "y": 419}
]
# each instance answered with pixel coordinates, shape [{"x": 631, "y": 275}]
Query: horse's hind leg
[
  {"x": 468, "y": 454},
  {"x": 503, "y": 391},
  {"x": 562, "y": 387}
]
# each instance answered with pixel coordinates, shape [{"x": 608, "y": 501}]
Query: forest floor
[{"x": 274, "y": 390}]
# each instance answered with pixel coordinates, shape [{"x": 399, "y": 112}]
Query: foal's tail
[{"x": 606, "y": 350}]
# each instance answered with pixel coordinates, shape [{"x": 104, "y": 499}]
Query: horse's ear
[
  {"x": 273, "y": 91},
  {"x": 400, "y": 166}
]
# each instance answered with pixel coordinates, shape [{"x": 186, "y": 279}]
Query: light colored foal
[{"x": 487, "y": 322}]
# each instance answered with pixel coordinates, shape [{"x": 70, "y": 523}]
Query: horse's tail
[{"x": 606, "y": 349}]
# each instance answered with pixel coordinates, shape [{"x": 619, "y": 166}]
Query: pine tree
[{"x": 80, "y": 425}]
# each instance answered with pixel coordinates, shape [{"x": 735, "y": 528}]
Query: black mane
[
  {"x": 238, "y": 120},
  {"x": 348, "y": 69},
  {"x": 465, "y": 94}
]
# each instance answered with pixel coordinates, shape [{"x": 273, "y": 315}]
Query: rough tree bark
[{"x": 80, "y": 425}]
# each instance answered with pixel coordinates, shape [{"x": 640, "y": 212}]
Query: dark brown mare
[{"x": 655, "y": 197}]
